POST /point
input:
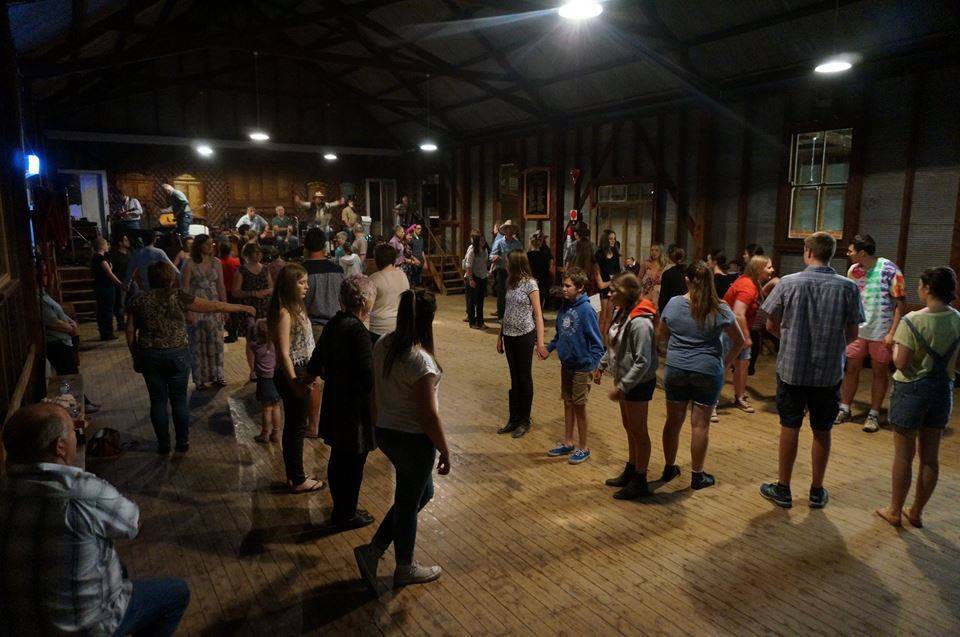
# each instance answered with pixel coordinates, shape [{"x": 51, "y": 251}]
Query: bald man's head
[{"x": 40, "y": 433}]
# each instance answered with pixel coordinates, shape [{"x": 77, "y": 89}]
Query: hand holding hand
[
  {"x": 499, "y": 345},
  {"x": 249, "y": 309},
  {"x": 542, "y": 351},
  {"x": 888, "y": 340},
  {"x": 616, "y": 395},
  {"x": 596, "y": 376}
]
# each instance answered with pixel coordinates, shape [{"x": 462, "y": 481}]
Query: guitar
[
  {"x": 169, "y": 220},
  {"x": 120, "y": 215}
]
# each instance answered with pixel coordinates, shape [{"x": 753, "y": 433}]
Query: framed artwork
[
  {"x": 537, "y": 193},
  {"x": 509, "y": 180}
]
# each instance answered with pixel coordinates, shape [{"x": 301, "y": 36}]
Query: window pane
[
  {"x": 831, "y": 218},
  {"x": 803, "y": 214},
  {"x": 809, "y": 159},
  {"x": 633, "y": 192},
  {"x": 838, "y": 155}
]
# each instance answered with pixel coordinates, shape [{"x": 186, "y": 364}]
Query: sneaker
[
  {"x": 702, "y": 480},
  {"x": 367, "y": 557},
  {"x": 578, "y": 456},
  {"x": 741, "y": 403},
  {"x": 842, "y": 416},
  {"x": 670, "y": 472},
  {"x": 623, "y": 479},
  {"x": 520, "y": 430},
  {"x": 777, "y": 493},
  {"x": 818, "y": 498},
  {"x": 636, "y": 488},
  {"x": 415, "y": 574},
  {"x": 560, "y": 450},
  {"x": 713, "y": 415},
  {"x": 872, "y": 423}
]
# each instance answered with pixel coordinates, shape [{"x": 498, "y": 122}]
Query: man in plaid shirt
[
  {"x": 59, "y": 571},
  {"x": 816, "y": 313}
]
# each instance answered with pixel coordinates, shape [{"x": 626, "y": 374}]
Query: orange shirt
[{"x": 744, "y": 290}]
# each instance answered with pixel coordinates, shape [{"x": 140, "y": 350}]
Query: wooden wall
[
  {"x": 721, "y": 169},
  {"x": 20, "y": 327}
]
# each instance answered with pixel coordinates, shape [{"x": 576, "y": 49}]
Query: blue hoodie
[{"x": 577, "y": 341}]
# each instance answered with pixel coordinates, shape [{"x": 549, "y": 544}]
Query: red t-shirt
[
  {"x": 746, "y": 292},
  {"x": 230, "y": 266}
]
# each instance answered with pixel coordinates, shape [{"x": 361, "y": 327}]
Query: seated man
[
  {"x": 59, "y": 332},
  {"x": 61, "y": 573}
]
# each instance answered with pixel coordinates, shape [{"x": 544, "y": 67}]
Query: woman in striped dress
[{"x": 203, "y": 277}]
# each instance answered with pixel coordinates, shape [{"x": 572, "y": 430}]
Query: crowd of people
[{"x": 350, "y": 358}]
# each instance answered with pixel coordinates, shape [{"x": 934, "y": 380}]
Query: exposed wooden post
[
  {"x": 682, "y": 198},
  {"x": 600, "y": 162},
  {"x": 466, "y": 172},
  {"x": 781, "y": 228},
  {"x": 851, "y": 207},
  {"x": 481, "y": 186},
  {"x": 955, "y": 244},
  {"x": 705, "y": 170},
  {"x": 577, "y": 162},
  {"x": 559, "y": 216},
  {"x": 910, "y": 170},
  {"x": 743, "y": 200},
  {"x": 660, "y": 211}
]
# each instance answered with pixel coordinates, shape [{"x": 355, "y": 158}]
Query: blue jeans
[
  {"x": 155, "y": 608},
  {"x": 183, "y": 224},
  {"x": 412, "y": 456},
  {"x": 166, "y": 372}
]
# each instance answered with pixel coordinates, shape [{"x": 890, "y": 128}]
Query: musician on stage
[
  {"x": 406, "y": 214},
  {"x": 254, "y": 221},
  {"x": 318, "y": 210},
  {"x": 284, "y": 231},
  {"x": 178, "y": 204},
  {"x": 126, "y": 220}
]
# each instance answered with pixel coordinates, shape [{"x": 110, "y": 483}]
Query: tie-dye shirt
[{"x": 880, "y": 287}]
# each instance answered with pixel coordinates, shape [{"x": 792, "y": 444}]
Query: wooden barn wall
[
  {"x": 722, "y": 170},
  {"x": 20, "y": 326}
]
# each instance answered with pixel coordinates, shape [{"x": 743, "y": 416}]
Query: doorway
[
  {"x": 381, "y": 198},
  {"x": 87, "y": 190},
  {"x": 628, "y": 210}
]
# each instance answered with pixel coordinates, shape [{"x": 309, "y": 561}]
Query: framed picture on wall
[
  {"x": 537, "y": 193},
  {"x": 509, "y": 180}
]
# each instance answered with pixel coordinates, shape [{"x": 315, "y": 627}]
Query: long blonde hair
[
  {"x": 704, "y": 302},
  {"x": 755, "y": 266},
  {"x": 662, "y": 259},
  {"x": 286, "y": 296}
]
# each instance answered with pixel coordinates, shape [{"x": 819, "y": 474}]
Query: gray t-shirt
[
  {"x": 694, "y": 347},
  {"x": 396, "y": 406}
]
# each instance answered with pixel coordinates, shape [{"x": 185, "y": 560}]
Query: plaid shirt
[
  {"x": 59, "y": 572},
  {"x": 814, "y": 308}
]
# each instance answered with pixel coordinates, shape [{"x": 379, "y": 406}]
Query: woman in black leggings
[{"x": 521, "y": 330}]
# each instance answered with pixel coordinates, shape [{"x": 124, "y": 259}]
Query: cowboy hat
[{"x": 507, "y": 224}]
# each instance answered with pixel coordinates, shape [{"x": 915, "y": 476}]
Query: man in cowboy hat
[{"x": 505, "y": 242}]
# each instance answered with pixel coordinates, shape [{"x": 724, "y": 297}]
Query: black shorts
[
  {"x": 642, "y": 393},
  {"x": 793, "y": 401}
]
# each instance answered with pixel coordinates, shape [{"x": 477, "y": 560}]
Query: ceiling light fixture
[
  {"x": 580, "y": 9},
  {"x": 330, "y": 156},
  {"x": 428, "y": 145},
  {"x": 204, "y": 150},
  {"x": 838, "y": 62},
  {"x": 258, "y": 134}
]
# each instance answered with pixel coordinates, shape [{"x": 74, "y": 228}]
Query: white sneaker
[
  {"x": 842, "y": 416},
  {"x": 872, "y": 423},
  {"x": 415, "y": 574},
  {"x": 368, "y": 557},
  {"x": 713, "y": 415},
  {"x": 742, "y": 403}
]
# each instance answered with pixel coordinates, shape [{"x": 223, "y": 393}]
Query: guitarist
[
  {"x": 178, "y": 204},
  {"x": 127, "y": 219}
]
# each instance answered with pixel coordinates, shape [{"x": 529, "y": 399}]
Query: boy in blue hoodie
[{"x": 580, "y": 348}]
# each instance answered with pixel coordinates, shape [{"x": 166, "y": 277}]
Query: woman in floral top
[
  {"x": 649, "y": 274},
  {"x": 293, "y": 339},
  {"x": 521, "y": 330},
  {"x": 252, "y": 283},
  {"x": 157, "y": 337}
]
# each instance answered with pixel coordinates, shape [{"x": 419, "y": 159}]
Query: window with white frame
[{"x": 819, "y": 170}]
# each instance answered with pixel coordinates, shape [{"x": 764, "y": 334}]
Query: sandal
[
  {"x": 261, "y": 439},
  {"x": 220, "y": 382},
  {"x": 306, "y": 486},
  {"x": 275, "y": 436}
]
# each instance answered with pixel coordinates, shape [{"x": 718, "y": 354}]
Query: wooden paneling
[
  {"x": 142, "y": 188},
  {"x": 195, "y": 191},
  {"x": 263, "y": 187}
]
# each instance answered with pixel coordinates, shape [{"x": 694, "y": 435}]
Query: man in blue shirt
[
  {"x": 178, "y": 204},
  {"x": 503, "y": 245},
  {"x": 143, "y": 258},
  {"x": 252, "y": 219}
]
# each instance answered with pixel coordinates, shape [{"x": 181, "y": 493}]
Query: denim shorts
[
  {"x": 744, "y": 354},
  {"x": 682, "y": 386},
  {"x": 822, "y": 403},
  {"x": 267, "y": 393},
  {"x": 924, "y": 403},
  {"x": 642, "y": 393}
]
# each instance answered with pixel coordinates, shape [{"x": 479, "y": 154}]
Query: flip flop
[{"x": 318, "y": 485}]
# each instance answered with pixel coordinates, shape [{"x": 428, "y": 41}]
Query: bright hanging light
[
  {"x": 428, "y": 147},
  {"x": 204, "y": 150},
  {"x": 259, "y": 136},
  {"x": 330, "y": 156},
  {"x": 834, "y": 65},
  {"x": 580, "y": 9}
]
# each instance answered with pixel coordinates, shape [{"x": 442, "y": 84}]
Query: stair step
[
  {"x": 77, "y": 284},
  {"x": 78, "y": 295}
]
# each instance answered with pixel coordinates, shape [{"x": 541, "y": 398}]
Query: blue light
[{"x": 33, "y": 165}]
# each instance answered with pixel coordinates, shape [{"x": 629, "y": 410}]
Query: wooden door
[{"x": 196, "y": 193}]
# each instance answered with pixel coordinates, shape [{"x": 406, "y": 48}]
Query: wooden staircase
[
  {"x": 446, "y": 273},
  {"x": 76, "y": 291}
]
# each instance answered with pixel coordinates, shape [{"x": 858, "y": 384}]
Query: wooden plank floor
[{"x": 530, "y": 544}]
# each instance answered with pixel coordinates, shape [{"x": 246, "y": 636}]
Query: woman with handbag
[{"x": 157, "y": 337}]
